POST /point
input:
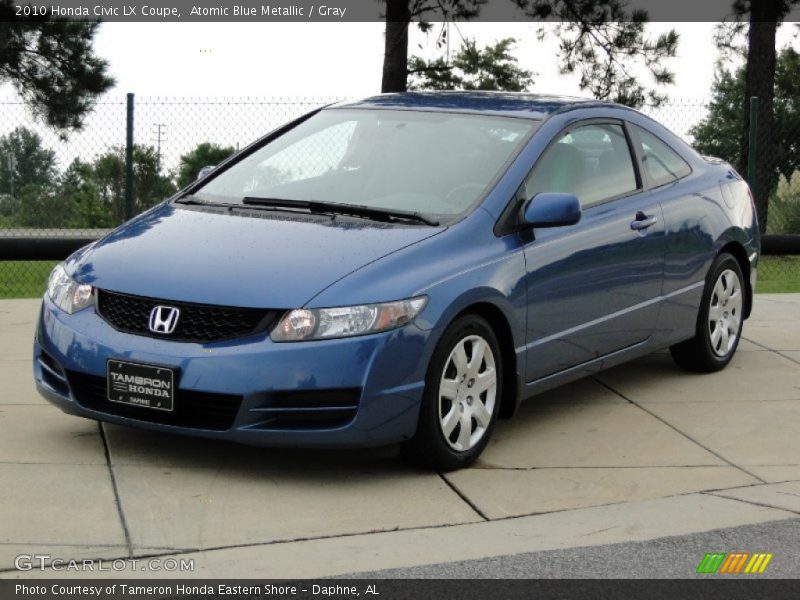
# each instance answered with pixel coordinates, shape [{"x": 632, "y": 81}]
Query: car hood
[{"x": 247, "y": 258}]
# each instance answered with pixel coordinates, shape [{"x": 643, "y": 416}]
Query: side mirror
[
  {"x": 551, "y": 209},
  {"x": 205, "y": 171}
]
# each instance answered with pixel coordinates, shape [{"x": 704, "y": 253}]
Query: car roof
[{"x": 508, "y": 104}]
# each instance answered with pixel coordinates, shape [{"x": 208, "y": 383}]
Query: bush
[{"x": 784, "y": 206}]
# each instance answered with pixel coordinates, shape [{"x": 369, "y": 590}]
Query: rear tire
[
  {"x": 461, "y": 400},
  {"x": 719, "y": 324}
]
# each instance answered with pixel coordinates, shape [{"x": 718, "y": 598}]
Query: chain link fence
[{"x": 74, "y": 187}]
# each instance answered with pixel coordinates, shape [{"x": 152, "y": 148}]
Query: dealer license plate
[{"x": 147, "y": 386}]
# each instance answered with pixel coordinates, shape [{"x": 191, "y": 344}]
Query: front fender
[{"x": 463, "y": 267}]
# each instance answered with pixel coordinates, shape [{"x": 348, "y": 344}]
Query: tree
[
  {"x": 51, "y": 64},
  {"x": 24, "y": 160},
  {"x": 40, "y": 205},
  {"x": 719, "y": 134},
  {"x": 764, "y": 17},
  {"x": 204, "y": 155},
  {"x": 600, "y": 40},
  {"x": 492, "y": 68},
  {"x": 150, "y": 185},
  {"x": 399, "y": 14},
  {"x": 785, "y": 206},
  {"x": 108, "y": 175},
  {"x": 79, "y": 189}
]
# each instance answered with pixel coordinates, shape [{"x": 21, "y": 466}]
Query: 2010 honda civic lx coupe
[{"x": 404, "y": 269}]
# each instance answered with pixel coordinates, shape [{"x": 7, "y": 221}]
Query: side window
[
  {"x": 592, "y": 162},
  {"x": 661, "y": 163}
]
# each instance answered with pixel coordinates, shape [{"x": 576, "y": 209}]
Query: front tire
[
  {"x": 461, "y": 400},
  {"x": 719, "y": 324}
]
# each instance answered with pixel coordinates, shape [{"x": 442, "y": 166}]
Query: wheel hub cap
[
  {"x": 725, "y": 313},
  {"x": 467, "y": 393}
]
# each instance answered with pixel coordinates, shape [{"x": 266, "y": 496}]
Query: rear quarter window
[{"x": 661, "y": 163}]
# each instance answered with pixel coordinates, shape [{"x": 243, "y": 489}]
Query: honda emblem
[{"x": 164, "y": 319}]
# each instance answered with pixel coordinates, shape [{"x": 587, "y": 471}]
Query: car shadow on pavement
[{"x": 138, "y": 447}]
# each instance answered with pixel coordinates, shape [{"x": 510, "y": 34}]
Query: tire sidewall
[
  {"x": 429, "y": 429},
  {"x": 722, "y": 263}
]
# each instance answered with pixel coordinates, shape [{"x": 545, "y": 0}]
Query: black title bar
[
  {"x": 282, "y": 11},
  {"x": 399, "y": 589}
]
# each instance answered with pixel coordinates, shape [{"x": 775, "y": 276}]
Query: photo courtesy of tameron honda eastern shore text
[{"x": 406, "y": 269}]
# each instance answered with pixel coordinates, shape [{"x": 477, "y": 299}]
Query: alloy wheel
[
  {"x": 467, "y": 393},
  {"x": 725, "y": 313}
]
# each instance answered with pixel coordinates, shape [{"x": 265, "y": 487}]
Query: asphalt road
[{"x": 669, "y": 557}]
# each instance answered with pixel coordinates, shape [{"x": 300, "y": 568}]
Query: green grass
[
  {"x": 778, "y": 274},
  {"x": 26, "y": 279}
]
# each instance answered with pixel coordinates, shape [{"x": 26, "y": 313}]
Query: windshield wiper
[
  {"x": 187, "y": 200},
  {"x": 357, "y": 210},
  {"x": 192, "y": 200}
]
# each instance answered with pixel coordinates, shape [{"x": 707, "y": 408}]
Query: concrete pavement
[{"x": 638, "y": 453}]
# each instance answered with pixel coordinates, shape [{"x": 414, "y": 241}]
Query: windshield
[{"x": 435, "y": 164}]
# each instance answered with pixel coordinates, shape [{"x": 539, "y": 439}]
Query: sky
[
  {"x": 312, "y": 62},
  {"x": 343, "y": 59},
  {"x": 319, "y": 59}
]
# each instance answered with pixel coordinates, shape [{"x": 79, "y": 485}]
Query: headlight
[
  {"x": 323, "y": 323},
  {"x": 67, "y": 294}
]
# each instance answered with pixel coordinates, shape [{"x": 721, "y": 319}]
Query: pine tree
[{"x": 52, "y": 66}]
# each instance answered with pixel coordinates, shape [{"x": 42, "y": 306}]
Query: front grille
[
  {"x": 199, "y": 323},
  {"x": 198, "y": 410}
]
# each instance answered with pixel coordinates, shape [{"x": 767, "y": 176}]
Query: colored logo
[{"x": 735, "y": 563}]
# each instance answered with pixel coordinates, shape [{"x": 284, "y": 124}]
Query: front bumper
[{"x": 382, "y": 374}]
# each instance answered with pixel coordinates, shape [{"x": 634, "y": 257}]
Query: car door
[
  {"x": 689, "y": 242},
  {"x": 592, "y": 287}
]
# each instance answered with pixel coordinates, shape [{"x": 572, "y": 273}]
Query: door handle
[{"x": 643, "y": 221}]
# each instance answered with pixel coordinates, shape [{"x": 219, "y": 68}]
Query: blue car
[{"x": 404, "y": 269}]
